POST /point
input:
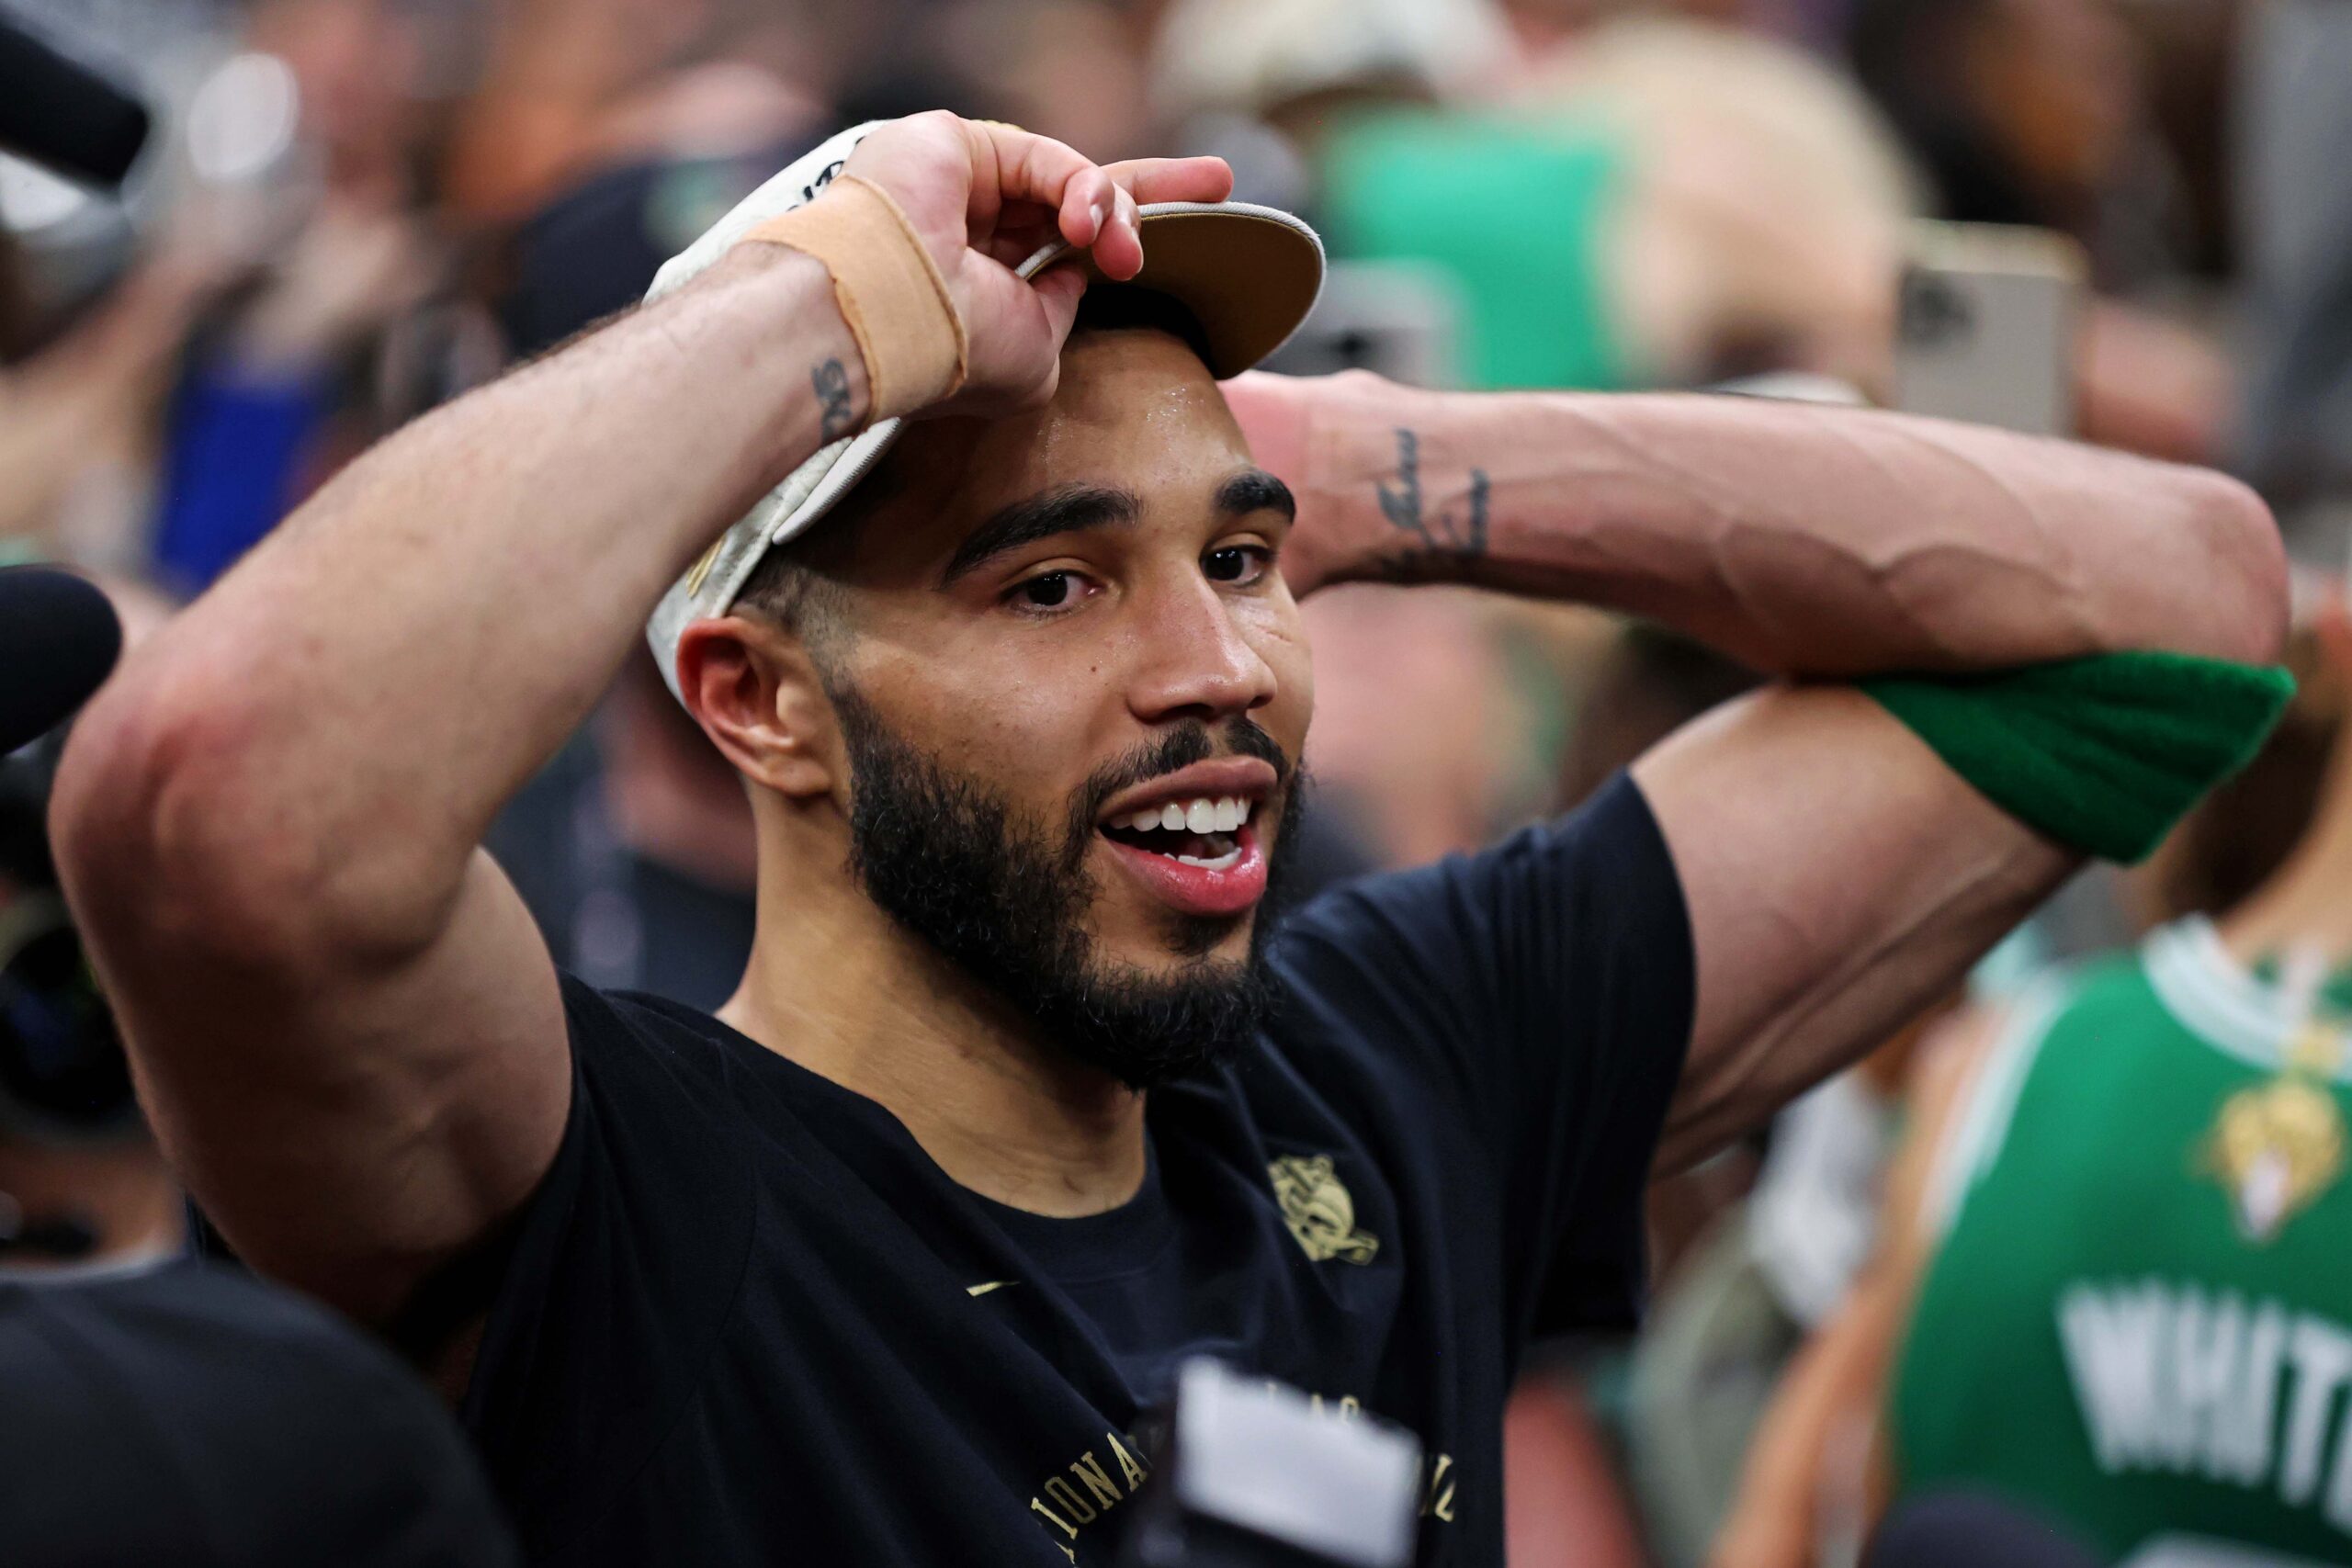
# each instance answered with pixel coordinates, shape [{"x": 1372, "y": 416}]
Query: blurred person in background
[
  {"x": 1265, "y": 84},
  {"x": 80, "y": 397},
  {"x": 556, "y": 75},
  {"x": 265, "y": 325},
  {"x": 1662, "y": 203},
  {"x": 276, "y": 391},
  {"x": 2108, "y": 1285},
  {"x": 2039, "y": 112},
  {"x": 343, "y": 333},
  {"x": 1754, "y": 203}
]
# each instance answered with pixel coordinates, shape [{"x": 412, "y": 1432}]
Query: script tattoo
[
  {"x": 832, "y": 395},
  {"x": 1442, "y": 541}
]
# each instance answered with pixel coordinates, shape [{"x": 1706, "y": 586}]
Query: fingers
[
  {"x": 1040, "y": 170},
  {"x": 1088, "y": 204},
  {"x": 1092, "y": 206},
  {"x": 1174, "y": 180},
  {"x": 1088, "y": 207},
  {"x": 1118, "y": 244}
]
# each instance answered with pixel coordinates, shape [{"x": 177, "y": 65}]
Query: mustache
[{"x": 1189, "y": 743}]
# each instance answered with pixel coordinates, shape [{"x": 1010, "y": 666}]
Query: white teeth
[
  {"x": 1216, "y": 862},
  {"x": 1200, "y": 815}
]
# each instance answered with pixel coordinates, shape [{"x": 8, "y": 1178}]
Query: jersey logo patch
[
  {"x": 1317, "y": 1207},
  {"x": 2277, "y": 1146}
]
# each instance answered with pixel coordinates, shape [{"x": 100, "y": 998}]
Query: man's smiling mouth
[
  {"x": 1204, "y": 832},
  {"x": 1192, "y": 837}
]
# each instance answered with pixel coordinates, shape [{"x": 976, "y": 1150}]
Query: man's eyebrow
[
  {"x": 1256, "y": 491},
  {"x": 1067, "y": 509}
]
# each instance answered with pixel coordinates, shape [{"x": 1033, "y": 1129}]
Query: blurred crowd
[{"x": 355, "y": 209}]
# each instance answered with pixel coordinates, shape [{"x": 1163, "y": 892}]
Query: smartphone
[{"x": 1986, "y": 329}]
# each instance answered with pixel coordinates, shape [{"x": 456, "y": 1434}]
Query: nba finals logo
[{"x": 2277, "y": 1145}]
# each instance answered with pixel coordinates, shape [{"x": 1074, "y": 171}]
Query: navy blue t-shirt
[{"x": 748, "y": 1320}]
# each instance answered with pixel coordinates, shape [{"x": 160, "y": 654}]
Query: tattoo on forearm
[
  {"x": 832, "y": 396},
  {"x": 1443, "y": 541},
  {"x": 1402, "y": 506}
]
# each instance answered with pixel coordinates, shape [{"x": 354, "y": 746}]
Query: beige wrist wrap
[{"x": 889, "y": 292}]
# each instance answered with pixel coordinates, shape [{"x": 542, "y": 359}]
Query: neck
[
  {"x": 2304, "y": 904},
  {"x": 124, "y": 1192},
  {"x": 840, "y": 989}
]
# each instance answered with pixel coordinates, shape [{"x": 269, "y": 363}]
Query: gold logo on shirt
[
  {"x": 1318, "y": 1210},
  {"x": 2277, "y": 1145}
]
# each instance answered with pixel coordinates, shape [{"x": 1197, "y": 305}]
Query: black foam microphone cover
[
  {"x": 58, "y": 639},
  {"x": 57, "y": 111}
]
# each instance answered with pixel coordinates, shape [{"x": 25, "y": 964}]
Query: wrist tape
[
  {"x": 889, "y": 288},
  {"x": 2103, "y": 754}
]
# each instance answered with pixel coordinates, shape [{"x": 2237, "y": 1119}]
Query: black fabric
[
  {"x": 194, "y": 1417},
  {"x": 1968, "y": 1530},
  {"x": 747, "y": 1320}
]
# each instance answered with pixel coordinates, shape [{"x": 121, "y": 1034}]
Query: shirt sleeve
[
  {"x": 622, "y": 1274},
  {"x": 1529, "y": 1007}
]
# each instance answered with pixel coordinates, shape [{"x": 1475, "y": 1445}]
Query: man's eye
[
  {"x": 1236, "y": 563},
  {"x": 1049, "y": 590}
]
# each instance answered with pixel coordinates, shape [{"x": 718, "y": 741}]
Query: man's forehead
[
  {"x": 1134, "y": 410},
  {"x": 1128, "y": 397}
]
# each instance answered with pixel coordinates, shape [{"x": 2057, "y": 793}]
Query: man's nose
[{"x": 1195, "y": 661}]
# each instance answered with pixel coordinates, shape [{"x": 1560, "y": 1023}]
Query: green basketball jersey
[{"x": 2139, "y": 1320}]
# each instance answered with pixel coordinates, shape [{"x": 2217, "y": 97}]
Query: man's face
[{"x": 1073, "y": 694}]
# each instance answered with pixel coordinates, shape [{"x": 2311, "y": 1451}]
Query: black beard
[{"x": 950, "y": 860}]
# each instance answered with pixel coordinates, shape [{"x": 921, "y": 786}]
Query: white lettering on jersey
[
  {"x": 2170, "y": 1377},
  {"x": 2111, "y": 1338},
  {"x": 2323, "y": 1358}
]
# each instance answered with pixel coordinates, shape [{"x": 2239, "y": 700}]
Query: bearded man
[{"x": 1022, "y": 1098}]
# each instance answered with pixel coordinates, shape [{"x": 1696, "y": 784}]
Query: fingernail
[{"x": 1097, "y": 210}]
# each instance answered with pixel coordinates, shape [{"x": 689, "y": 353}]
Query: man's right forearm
[{"x": 345, "y": 711}]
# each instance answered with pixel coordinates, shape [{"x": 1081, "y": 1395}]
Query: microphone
[
  {"x": 57, "y": 111},
  {"x": 58, "y": 639}
]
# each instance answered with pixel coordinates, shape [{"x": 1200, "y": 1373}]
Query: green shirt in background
[{"x": 1514, "y": 211}]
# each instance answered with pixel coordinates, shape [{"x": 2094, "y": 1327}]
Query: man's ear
[{"x": 757, "y": 694}]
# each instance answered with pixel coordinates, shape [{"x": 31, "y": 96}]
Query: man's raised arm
[
  {"x": 1838, "y": 873},
  {"x": 347, "y": 1029}
]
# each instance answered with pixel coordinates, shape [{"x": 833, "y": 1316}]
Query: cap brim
[{"x": 1248, "y": 275}]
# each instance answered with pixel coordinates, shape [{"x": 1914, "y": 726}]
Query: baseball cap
[{"x": 1248, "y": 275}]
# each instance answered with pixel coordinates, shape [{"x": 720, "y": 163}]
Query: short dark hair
[
  {"x": 790, "y": 586},
  {"x": 1116, "y": 306}
]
